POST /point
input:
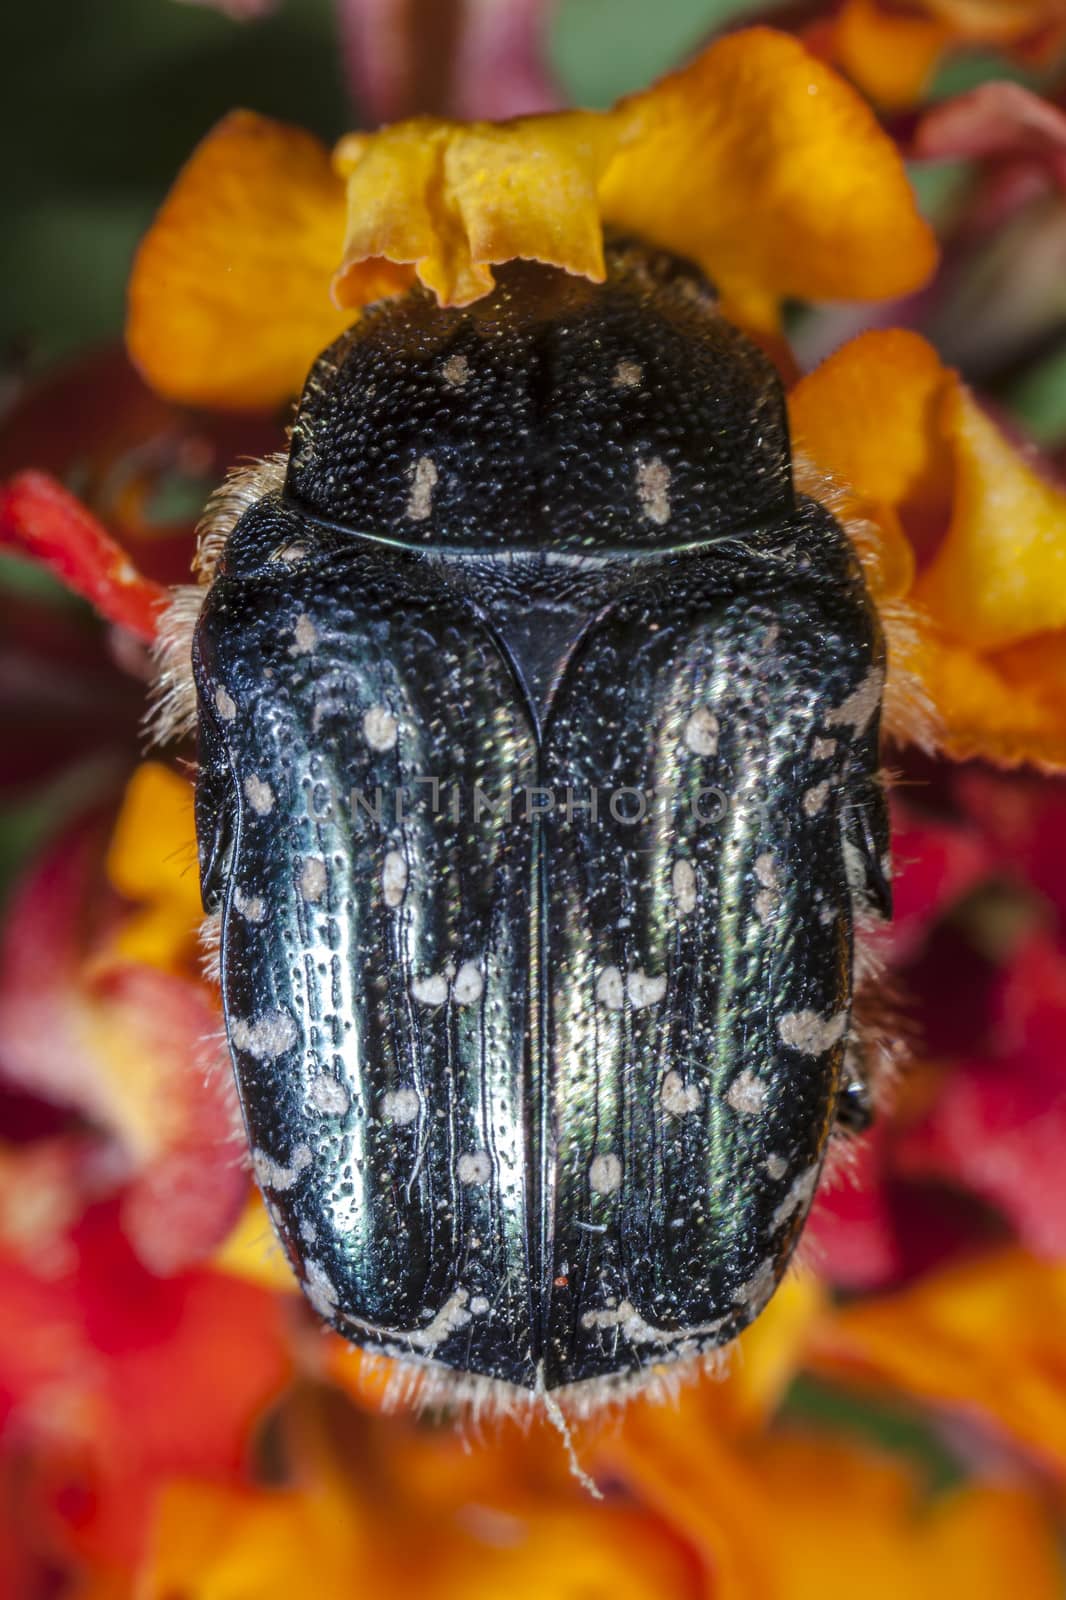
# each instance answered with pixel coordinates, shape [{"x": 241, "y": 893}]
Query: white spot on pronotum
[
  {"x": 271, "y": 1174},
  {"x": 823, "y": 749},
  {"x": 810, "y": 1033},
  {"x": 610, "y": 989},
  {"x": 765, "y": 904},
  {"x": 394, "y": 878},
  {"x": 265, "y": 1038},
  {"x": 757, "y": 1290},
  {"x": 423, "y": 476},
  {"x": 701, "y": 732},
  {"x": 250, "y": 906},
  {"x": 628, "y": 375},
  {"x": 653, "y": 489},
  {"x": 683, "y": 884},
  {"x": 797, "y": 1198},
  {"x": 304, "y": 636},
  {"x": 746, "y": 1094},
  {"x": 605, "y": 1174},
  {"x": 456, "y": 372},
  {"x": 259, "y": 794},
  {"x": 401, "y": 1105},
  {"x": 319, "y": 1289},
  {"x": 644, "y": 991},
  {"x": 776, "y": 1167},
  {"x": 328, "y": 1096},
  {"x": 679, "y": 1097},
  {"x": 815, "y": 798},
  {"x": 469, "y": 985},
  {"x": 474, "y": 1167},
  {"x": 225, "y": 705},
  {"x": 380, "y": 728},
  {"x": 313, "y": 879},
  {"x": 431, "y": 991},
  {"x": 860, "y": 706}
]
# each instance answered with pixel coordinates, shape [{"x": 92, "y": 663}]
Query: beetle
[{"x": 538, "y": 804}]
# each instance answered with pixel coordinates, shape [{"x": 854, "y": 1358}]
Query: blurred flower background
[{"x": 173, "y": 1423}]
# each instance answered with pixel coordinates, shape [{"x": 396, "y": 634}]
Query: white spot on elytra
[
  {"x": 469, "y": 985},
  {"x": 250, "y": 906},
  {"x": 810, "y": 1033},
  {"x": 860, "y": 706},
  {"x": 815, "y": 798},
  {"x": 746, "y": 1094},
  {"x": 776, "y": 1166},
  {"x": 478, "y": 1306},
  {"x": 313, "y": 879},
  {"x": 610, "y": 989},
  {"x": 328, "y": 1096},
  {"x": 394, "y": 878},
  {"x": 271, "y": 1174},
  {"x": 822, "y": 749},
  {"x": 456, "y": 372},
  {"x": 452, "y": 1315},
  {"x": 765, "y": 904},
  {"x": 679, "y": 1097},
  {"x": 304, "y": 636},
  {"x": 431, "y": 991},
  {"x": 683, "y": 884},
  {"x": 766, "y": 871},
  {"x": 644, "y": 991},
  {"x": 628, "y": 1320},
  {"x": 308, "y": 1231},
  {"x": 653, "y": 489},
  {"x": 701, "y": 732},
  {"x": 757, "y": 1290},
  {"x": 605, "y": 1174},
  {"x": 797, "y": 1198},
  {"x": 259, "y": 794},
  {"x": 225, "y": 705},
  {"x": 380, "y": 728},
  {"x": 401, "y": 1105},
  {"x": 628, "y": 375},
  {"x": 266, "y": 1038},
  {"x": 473, "y": 1167},
  {"x": 319, "y": 1289},
  {"x": 423, "y": 476}
]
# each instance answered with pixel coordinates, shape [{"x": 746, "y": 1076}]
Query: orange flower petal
[
  {"x": 982, "y": 1339},
  {"x": 764, "y": 166},
  {"x": 755, "y": 160},
  {"x": 892, "y": 55},
  {"x": 228, "y": 301},
  {"x": 1000, "y": 575},
  {"x": 906, "y": 446},
  {"x": 869, "y": 417}
]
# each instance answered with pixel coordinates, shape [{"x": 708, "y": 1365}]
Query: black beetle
[{"x": 538, "y": 797}]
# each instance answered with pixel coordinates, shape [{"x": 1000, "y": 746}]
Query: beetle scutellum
[{"x": 540, "y": 1098}]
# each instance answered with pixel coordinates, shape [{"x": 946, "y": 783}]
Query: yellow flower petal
[
  {"x": 452, "y": 200},
  {"x": 229, "y": 296},
  {"x": 152, "y": 860},
  {"x": 252, "y": 1251},
  {"x": 1000, "y": 575},
  {"x": 761, "y": 163}
]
